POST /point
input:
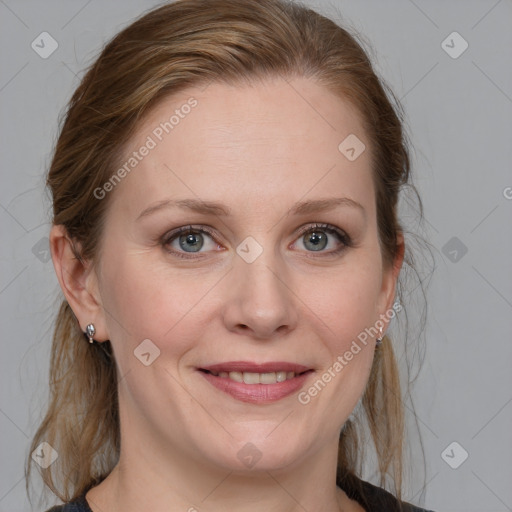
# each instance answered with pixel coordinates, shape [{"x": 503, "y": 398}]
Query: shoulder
[
  {"x": 78, "y": 505},
  {"x": 373, "y": 498},
  {"x": 381, "y": 500}
]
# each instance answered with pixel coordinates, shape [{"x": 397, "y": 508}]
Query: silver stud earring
[
  {"x": 378, "y": 341},
  {"x": 90, "y": 331}
]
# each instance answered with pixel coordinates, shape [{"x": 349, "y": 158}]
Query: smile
[
  {"x": 256, "y": 378},
  {"x": 257, "y": 383}
]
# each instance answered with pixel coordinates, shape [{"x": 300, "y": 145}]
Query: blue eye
[
  {"x": 315, "y": 241},
  {"x": 190, "y": 240},
  {"x": 319, "y": 237}
]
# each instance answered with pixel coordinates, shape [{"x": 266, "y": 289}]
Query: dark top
[{"x": 370, "y": 497}]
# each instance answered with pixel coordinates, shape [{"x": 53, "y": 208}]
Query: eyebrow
[
  {"x": 322, "y": 205},
  {"x": 215, "y": 208},
  {"x": 196, "y": 205}
]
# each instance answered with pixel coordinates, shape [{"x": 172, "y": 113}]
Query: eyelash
[{"x": 328, "y": 228}]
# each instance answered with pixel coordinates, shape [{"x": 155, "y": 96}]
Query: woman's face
[{"x": 280, "y": 272}]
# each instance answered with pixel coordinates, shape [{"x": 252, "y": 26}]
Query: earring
[
  {"x": 378, "y": 341},
  {"x": 90, "y": 331}
]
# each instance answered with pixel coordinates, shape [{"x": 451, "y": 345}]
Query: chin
[{"x": 260, "y": 452}]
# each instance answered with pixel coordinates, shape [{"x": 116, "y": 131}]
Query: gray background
[{"x": 459, "y": 115}]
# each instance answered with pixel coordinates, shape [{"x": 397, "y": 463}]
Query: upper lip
[{"x": 247, "y": 366}]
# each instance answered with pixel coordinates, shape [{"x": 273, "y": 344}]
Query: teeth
[
  {"x": 281, "y": 376},
  {"x": 256, "y": 378},
  {"x": 238, "y": 376},
  {"x": 266, "y": 378},
  {"x": 251, "y": 378}
]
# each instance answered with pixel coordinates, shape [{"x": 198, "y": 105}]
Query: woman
[{"x": 225, "y": 235}]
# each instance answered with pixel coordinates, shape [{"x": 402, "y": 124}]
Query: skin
[{"x": 258, "y": 150}]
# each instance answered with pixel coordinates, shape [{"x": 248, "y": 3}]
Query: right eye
[{"x": 188, "y": 239}]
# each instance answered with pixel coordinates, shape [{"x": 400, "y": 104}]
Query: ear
[
  {"x": 78, "y": 281},
  {"x": 389, "y": 280}
]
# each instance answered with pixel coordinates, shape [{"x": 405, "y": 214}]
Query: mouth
[
  {"x": 255, "y": 377},
  {"x": 257, "y": 383}
]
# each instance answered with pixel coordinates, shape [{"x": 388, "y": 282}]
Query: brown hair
[{"x": 194, "y": 42}]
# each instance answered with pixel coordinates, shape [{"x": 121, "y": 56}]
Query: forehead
[{"x": 246, "y": 145}]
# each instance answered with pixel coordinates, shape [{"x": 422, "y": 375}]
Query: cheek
[
  {"x": 144, "y": 300},
  {"x": 341, "y": 306},
  {"x": 344, "y": 302}
]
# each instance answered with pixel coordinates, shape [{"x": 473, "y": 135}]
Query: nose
[{"x": 260, "y": 303}]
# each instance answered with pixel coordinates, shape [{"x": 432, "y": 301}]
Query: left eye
[{"x": 318, "y": 238}]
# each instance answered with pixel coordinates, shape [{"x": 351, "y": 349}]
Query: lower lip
[{"x": 257, "y": 393}]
